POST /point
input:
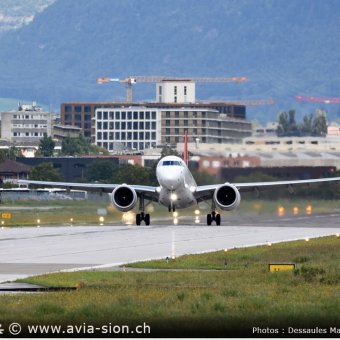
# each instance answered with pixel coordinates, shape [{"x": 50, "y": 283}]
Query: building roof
[{"x": 9, "y": 166}]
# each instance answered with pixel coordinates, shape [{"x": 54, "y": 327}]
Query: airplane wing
[
  {"x": 206, "y": 191},
  {"x": 149, "y": 192}
]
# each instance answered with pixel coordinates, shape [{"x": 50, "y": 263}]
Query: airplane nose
[{"x": 171, "y": 179}]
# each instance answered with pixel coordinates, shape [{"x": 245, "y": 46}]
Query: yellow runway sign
[
  {"x": 6, "y": 215},
  {"x": 279, "y": 267}
]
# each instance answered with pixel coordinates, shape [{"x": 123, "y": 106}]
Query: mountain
[
  {"x": 17, "y": 13},
  {"x": 285, "y": 47}
]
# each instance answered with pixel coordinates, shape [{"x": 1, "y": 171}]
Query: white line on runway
[{"x": 107, "y": 246}]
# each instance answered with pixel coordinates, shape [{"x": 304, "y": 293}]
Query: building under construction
[{"x": 148, "y": 124}]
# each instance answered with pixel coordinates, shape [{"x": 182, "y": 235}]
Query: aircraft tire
[
  {"x": 138, "y": 219},
  {"x": 147, "y": 219},
  {"x": 218, "y": 219},
  {"x": 209, "y": 219}
]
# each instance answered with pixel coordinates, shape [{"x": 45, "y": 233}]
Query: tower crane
[
  {"x": 156, "y": 79},
  {"x": 325, "y": 100},
  {"x": 253, "y": 102},
  {"x": 246, "y": 102}
]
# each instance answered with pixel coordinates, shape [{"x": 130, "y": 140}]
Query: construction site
[
  {"x": 143, "y": 125},
  {"x": 219, "y": 134}
]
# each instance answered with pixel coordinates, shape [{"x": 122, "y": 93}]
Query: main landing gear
[
  {"x": 213, "y": 216},
  {"x": 142, "y": 216}
]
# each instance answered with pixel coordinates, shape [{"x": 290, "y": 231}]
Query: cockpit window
[{"x": 166, "y": 163}]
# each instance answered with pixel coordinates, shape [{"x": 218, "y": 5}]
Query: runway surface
[{"x": 30, "y": 251}]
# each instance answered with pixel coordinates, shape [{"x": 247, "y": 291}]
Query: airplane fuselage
[{"x": 176, "y": 183}]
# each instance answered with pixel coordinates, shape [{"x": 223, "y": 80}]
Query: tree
[
  {"x": 168, "y": 151},
  {"x": 306, "y": 125},
  {"x": 10, "y": 154},
  {"x": 46, "y": 146},
  {"x": 282, "y": 128},
  {"x": 319, "y": 126},
  {"x": 45, "y": 172},
  {"x": 80, "y": 146},
  {"x": 101, "y": 170},
  {"x": 134, "y": 174},
  {"x": 311, "y": 125}
]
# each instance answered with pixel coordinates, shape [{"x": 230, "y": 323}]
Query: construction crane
[
  {"x": 246, "y": 102},
  {"x": 325, "y": 100},
  {"x": 156, "y": 79},
  {"x": 253, "y": 102}
]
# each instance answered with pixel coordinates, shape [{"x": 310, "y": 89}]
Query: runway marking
[{"x": 93, "y": 247}]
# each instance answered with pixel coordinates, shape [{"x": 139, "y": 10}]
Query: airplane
[{"x": 177, "y": 189}]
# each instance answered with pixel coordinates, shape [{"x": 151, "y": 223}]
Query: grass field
[
  {"x": 26, "y": 213},
  {"x": 215, "y": 294}
]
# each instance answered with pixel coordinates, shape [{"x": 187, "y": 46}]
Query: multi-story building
[
  {"x": 202, "y": 124},
  {"x": 81, "y": 114},
  {"x": 143, "y": 125},
  {"x": 217, "y": 122},
  {"x": 175, "y": 91},
  {"x": 140, "y": 128},
  {"x": 134, "y": 127},
  {"x": 61, "y": 132},
  {"x": 28, "y": 124}
]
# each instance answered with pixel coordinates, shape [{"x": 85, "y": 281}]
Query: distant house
[{"x": 11, "y": 171}]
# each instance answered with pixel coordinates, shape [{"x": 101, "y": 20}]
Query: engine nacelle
[
  {"x": 227, "y": 197},
  {"x": 124, "y": 198}
]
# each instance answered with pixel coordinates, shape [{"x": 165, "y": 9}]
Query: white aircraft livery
[{"x": 177, "y": 190}]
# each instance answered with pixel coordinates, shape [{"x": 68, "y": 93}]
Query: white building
[
  {"x": 28, "y": 124},
  {"x": 175, "y": 91},
  {"x": 135, "y": 128}
]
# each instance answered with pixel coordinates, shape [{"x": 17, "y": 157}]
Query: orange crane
[
  {"x": 253, "y": 102},
  {"x": 156, "y": 79},
  {"x": 325, "y": 100},
  {"x": 246, "y": 102}
]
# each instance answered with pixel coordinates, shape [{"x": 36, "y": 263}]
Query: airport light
[
  {"x": 101, "y": 220},
  {"x": 225, "y": 250},
  {"x": 295, "y": 211},
  {"x": 197, "y": 212},
  {"x": 269, "y": 244},
  {"x": 197, "y": 219},
  {"x": 175, "y": 221},
  {"x": 280, "y": 211},
  {"x": 175, "y": 214},
  {"x": 173, "y": 197},
  {"x": 309, "y": 209},
  {"x": 338, "y": 235},
  {"x": 128, "y": 217},
  {"x": 307, "y": 239}
]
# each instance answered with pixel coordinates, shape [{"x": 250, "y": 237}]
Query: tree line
[
  {"x": 311, "y": 125},
  {"x": 71, "y": 146}
]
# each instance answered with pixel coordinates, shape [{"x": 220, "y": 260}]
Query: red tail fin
[{"x": 185, "y": 155}]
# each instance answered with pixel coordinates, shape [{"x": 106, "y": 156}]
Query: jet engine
[
  {"x": 124, "y": 198},
  {"x": 227, "y": 197}
]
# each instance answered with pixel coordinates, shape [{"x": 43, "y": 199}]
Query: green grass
[
  {"x": 219, "y": 301},
  {"x": 61, "y": 212},
  {"x": 58, "y": 213}
]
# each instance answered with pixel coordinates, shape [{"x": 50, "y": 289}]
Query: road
[{"x": 29, "y": 251}]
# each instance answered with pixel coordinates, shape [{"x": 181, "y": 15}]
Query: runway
[{"x": 30, "y": 251}]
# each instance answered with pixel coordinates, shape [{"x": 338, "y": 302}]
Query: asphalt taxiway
[{"x": 30, "y": 251}]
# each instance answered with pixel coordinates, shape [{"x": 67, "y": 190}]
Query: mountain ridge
[{"x": 286, "y": 48}]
